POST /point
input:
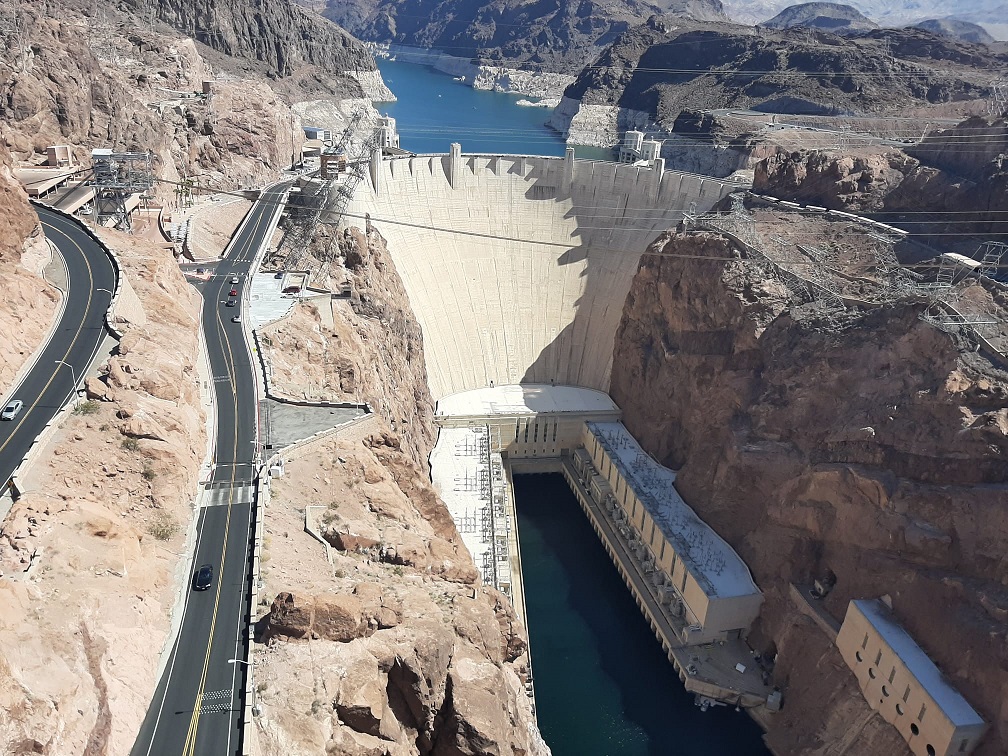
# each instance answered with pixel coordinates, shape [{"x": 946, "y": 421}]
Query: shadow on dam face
[{"x": 517, "y": 267}]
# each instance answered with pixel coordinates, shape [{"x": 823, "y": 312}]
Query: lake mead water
[
  {"x": 434, "y": 110},
  {"x": 603, "y": 685}
]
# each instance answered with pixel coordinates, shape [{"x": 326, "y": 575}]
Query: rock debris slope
[
  {"x": 394, "y": 649},
  {"x": 870, "y": 444}
]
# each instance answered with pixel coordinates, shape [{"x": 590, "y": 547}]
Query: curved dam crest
[{"x": 517, "y": 267}]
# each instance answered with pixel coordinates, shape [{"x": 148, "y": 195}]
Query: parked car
[
  {"x": 204, "y": 576},
  {"x": 12, "y": 409},
  {"x": 232, "y": 302}
]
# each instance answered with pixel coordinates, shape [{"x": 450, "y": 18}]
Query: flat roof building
[
  {"x": 901, "y": 683},
  {"x": 703, "y": 578}
]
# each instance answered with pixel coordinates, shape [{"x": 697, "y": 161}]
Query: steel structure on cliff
[{"x": 117, "y": 177}]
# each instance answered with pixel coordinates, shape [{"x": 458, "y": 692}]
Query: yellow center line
[
  {"x": 190, "y": 744},
  {"x": 73, "y": 341}
]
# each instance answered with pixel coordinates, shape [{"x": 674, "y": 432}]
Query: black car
[
  {"x": 232, "y": 302},
  {"x": 204, "y": 576}
]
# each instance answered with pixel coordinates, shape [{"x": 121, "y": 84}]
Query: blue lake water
[
  {"x": 603, "y": 685},
  {"x": 433, "y": 110}
]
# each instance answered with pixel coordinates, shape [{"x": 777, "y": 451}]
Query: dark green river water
[{"x": 603, "y": 685}]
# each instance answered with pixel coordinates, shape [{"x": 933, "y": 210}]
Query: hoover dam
[{"x": 517, "y": 267}]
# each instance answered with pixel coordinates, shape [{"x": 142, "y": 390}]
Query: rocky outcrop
[
  {"x": 666, "y": 66},
  {"x": 958, "y": 177},
  {"x": 871, "y": 445},
  {"x": 280, "y": 34},
  {"x": 88, "y": 553},
  {"x": 366, "y": 349}
]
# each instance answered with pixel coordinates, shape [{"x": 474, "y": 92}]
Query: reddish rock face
[{"x": 876, "y": 450}]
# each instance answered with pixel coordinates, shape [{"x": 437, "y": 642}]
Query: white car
[
  {"x": 236, "y": 319},
  {"x": 11, "y": 410},
  {"x": 234, "y": 279}
]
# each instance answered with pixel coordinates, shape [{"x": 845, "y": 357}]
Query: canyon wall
[
  {"x": 872, "y": 445},
  {"x": 392, "y": 648},
  {"x": 29, "y": 301},
  {"x": 88, "y": 554}
]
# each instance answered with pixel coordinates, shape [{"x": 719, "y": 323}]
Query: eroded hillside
[
  {"x": 393, "y": 647},
  {"x": 863, "y": 442}
]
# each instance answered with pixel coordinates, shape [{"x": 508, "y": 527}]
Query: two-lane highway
[
  {"x": 73, "y": 345},
  {"x": 198, "y": 703}
]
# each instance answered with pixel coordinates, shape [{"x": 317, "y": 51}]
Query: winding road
[
  {"x": 91, "y": 281},
  {"x": 197, "y": 706}
]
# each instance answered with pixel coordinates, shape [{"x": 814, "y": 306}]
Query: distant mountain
[
  {"x": 828, "y": 17},
  {"x": 963, "y": 31},
  {"x": 884, "y": 12},
  {"x": 563, "y": 35}
]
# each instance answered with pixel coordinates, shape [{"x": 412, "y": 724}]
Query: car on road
[
  {"x": 11, "y": 410},
  {"x": 232, "y": 302},
  {"x": 234, "y": 279},
  {"x": 233, "y": 292},
  {"x": 236, "y": 319},
  {"x": 204, "y": 576},
  {"x": 200, "y": 271}
]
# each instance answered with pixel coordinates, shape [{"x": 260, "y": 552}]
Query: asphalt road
[
  {"x": 50, "y": 383},
  {"x": 197, "y": 706}
]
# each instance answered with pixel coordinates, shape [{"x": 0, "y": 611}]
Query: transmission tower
[
  {"x": 996, "y": 101},
  {"x": 117, "y": 177}
]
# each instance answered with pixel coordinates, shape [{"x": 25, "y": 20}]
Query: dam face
[{"x": 517, "y": 267}]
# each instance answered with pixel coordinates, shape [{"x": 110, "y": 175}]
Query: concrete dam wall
[{"x": 518, "y": 267}]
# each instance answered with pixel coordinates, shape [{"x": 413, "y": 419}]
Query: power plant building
[
  {"x": 903, "y": 685},
  {"x": 699, "y": 575}
]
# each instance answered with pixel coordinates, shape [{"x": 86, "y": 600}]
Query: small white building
[
  {"x": 317, "y": 133},
  {"x": 388, "y": 136}
]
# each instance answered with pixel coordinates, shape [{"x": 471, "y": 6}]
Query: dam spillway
[{"x": 517, "y": 267}]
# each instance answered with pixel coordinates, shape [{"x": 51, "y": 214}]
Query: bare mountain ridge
[
  {"x": 893, "y": 13},
  {"x": 559, "y": 35},
  {"x": 830, "y": 17},
  {"x": 662, "y": 70},
  {"x": 964, "y": 31}
]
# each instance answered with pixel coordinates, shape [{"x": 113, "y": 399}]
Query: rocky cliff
[
  {"x": 664, "y": 67},
  {"x": 563, "y": 35},
  {"x": 867, "y": 443},
  {"x": 952, "y": 184},
  {"x": 88, "y": 553},
  {"x": 279, "y": 34},
  {"x": 392, "y": 648}
]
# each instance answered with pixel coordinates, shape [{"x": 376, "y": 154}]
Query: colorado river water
[
  {"x": 433, "y": 110},
  {"x": 603, "y": 685}
]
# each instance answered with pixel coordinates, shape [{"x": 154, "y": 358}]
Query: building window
[
  {"x": 662, "y": 555},
  {"x": 920, "y": 717},
  {"x": 899, "y": 709},
  {"x": 859, "y": 657},
  {"x": 871, "y": 672},
  {"x": 892, "y": 674},
  {"x": 885, "y": 691},
  {"x": 878, "y": 658},
  {"x": 906, "y": 694},
  {"x": 914, "y": 728},
  {"x": 930, "y": 749},
  {"x": 864, "y": 643},
  {"x": 963, "y": 745}
]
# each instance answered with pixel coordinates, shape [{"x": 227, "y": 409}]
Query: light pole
[{"x": 72, "y": 374}]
